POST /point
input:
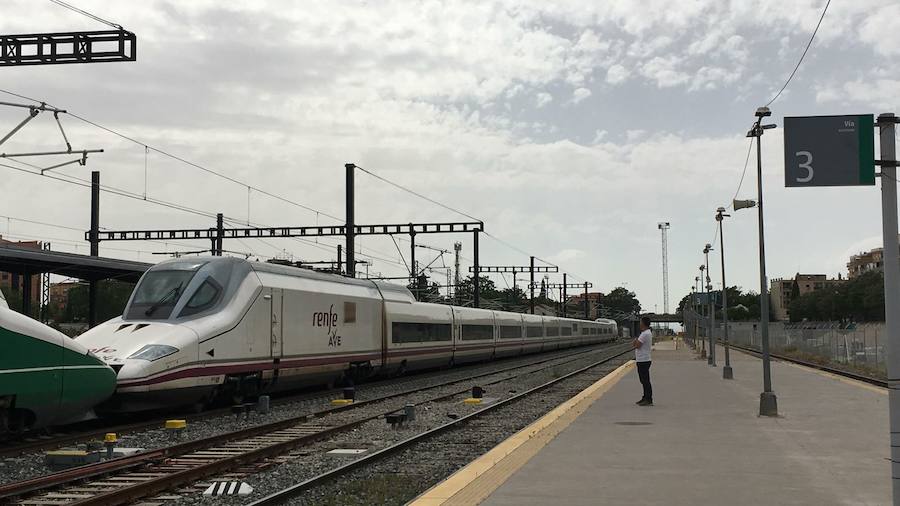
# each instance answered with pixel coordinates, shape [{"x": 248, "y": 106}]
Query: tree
[
  {"x": 621, "y": 300},
  {"x": 111, "y": 299},
  {"x": 859, "y": 299}
]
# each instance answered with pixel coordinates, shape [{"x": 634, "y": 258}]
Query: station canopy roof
[{"x": 35, "y": 261}]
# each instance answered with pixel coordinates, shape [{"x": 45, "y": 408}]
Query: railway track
[
  {"x": 833, "y": 370},
  {"x": 62, "y": 437},
  {"x": 150, "y": 473},
  {"x": 287, "y": 494}
]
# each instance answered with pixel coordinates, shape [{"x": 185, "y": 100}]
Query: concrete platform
[{"x": 702, "y": 443}]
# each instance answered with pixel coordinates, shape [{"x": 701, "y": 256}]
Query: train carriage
[
  {"x": 474, "y": 336},
  {"x": 534, "y": 333},
  {"x": 46, "y": 378},
  {"x": 201, "y": 328},
  {"x": 510, "y": 331}
]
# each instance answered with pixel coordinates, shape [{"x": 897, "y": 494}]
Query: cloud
[
  {"x": 470, "y": 103},
  {"x": 543, "y": 99},
  {"x": 580, "y": 94},
  {"x": 665, "y": 71},
  {"x": 617, "y": 74}
]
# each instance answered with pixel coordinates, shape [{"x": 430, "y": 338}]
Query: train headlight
[{"x": 153, "y": 352}]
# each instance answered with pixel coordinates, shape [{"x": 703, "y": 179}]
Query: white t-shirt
[{"x": 642, "y": 354}]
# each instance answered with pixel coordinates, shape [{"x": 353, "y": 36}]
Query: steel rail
[
  {"x": 833, "y": 370},
  {"x": 44, "y": 443},
  {"x": 283, "y": 495},
  {"x": 127, "y": 494}
]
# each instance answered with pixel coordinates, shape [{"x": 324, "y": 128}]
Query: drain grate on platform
[{"x": 633, "y": 423}]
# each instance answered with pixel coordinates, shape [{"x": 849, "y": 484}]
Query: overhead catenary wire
[
  {"x": 183, "y": 160},
  {"x": 452, "y": 209},
  {"x": 802, "y": 56},
  {"x": 86, "y": 13}
]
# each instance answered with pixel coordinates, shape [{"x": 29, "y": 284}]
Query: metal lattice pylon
[{"x": 664, "y": 227}]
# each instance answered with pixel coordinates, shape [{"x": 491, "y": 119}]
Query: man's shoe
[
  {"x": 640, "y": 402},
  {"x": 645, "y": 402}
]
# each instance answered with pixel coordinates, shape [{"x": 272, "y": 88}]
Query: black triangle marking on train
[{"x": 211, "y": 352}]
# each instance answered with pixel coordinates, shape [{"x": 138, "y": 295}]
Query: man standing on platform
[{"x": 642, "y": 347}]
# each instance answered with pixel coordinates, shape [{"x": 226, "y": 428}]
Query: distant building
[
  {"x": 594, "y": 300},
  {"x": 872, "y": 260},
  {"x": 782, "y": 291},
  {"x": 12, "y": 283},
  {"x": 59, "y": 295}
]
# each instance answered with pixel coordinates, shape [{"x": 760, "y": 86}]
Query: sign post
[
  {"x": 840, "y": 151},
  {"x": 891, "y": 285}
]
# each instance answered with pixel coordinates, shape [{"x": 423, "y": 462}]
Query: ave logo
[{"x": 328, "y": 320}]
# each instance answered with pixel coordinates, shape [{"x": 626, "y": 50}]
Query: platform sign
[{"x": 829, "y": 151}]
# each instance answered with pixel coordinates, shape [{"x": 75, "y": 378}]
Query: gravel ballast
[
  {"x": 31, "y": 465},
  {"x": 398, "y": 478}
]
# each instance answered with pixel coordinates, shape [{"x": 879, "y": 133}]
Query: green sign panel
[{"x": 829, "y": 151}]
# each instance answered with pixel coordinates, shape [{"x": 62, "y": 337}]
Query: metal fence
[{"x": 857, "y": 345}]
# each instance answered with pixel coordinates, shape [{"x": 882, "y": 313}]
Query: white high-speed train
[{"x": 200, "y": 328}]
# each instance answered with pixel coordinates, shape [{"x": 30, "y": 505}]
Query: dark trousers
[{"x": 643, "y": 369}]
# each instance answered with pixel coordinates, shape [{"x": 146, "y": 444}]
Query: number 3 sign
[{"x": 829, "y": 151}]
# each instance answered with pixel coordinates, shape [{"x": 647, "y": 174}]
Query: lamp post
[
  {"x": 711, "y": 359},
  {"x": 690, "y": 332},
  {"x": 697, "y": 311},
  {"x": 727, "y": 373},
  {"x": 701, "y": 278},
  {"x": 768, "y": 403}
]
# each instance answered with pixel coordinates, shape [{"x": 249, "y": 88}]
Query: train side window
[
  {"x": 566, "y": 330},
  {"x": 534, "y": 331},
  {"x": 403, "y": 332},
  {"x": 204, "y": 298},
  {"x": 585, "y": 331},
  {"x": 510, "y": 332},
  {"x": 349, "y": 312},
  {"x": 552, "y": 331},
  {"x": 476, "y": 332}
]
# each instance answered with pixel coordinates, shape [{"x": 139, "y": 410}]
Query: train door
[{"x": 276, "y": 309}]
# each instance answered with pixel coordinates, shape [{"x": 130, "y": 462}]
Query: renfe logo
[{"x": 328, "y": 320}]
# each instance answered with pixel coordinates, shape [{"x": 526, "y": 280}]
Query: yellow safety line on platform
[{"x": 476, "y": 481}]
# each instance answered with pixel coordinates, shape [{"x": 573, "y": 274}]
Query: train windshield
[{"x": 158, "y": 293}]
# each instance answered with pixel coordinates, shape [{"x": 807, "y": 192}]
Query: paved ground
[{"x": 703, "y": 443}]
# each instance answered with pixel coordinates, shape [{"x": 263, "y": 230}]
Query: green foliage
[
  {"x": 742, "y": 306},
  {"x": 111, "y": 299},
  {"x": 621, "y": 300},
  {"x": 859, "y": 299}
]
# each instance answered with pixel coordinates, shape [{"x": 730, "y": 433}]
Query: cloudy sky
[{"x": 571, "y": 128}]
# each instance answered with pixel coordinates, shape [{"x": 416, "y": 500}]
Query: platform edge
[{"x": 539, "y": 433}]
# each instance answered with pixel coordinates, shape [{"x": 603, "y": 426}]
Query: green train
[{"x": 46, "y": 378}]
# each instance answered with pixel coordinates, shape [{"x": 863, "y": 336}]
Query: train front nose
[{"x": 153, "y": 370}]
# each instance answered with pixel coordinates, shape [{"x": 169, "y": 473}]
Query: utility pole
[
  {"x": 220, "y": 231},
  {"x": 888, "y": 143},
  {"x": 712, "y": 309},
  {"x": 564, "y": 295},
  {"x": 475, "y": 281},
  {"x": 768, "y": 403},
  {"x": 700, "y": 314},
  {"x": 587, "y": 310},
  {"x": 94, "y": 235},
  {"x": 727, "y": 373},
  {"x": 531, "y": 284},
  {"x": 457, "y": 248},
  {"x": 350, "y": 221},
  {"x": 663, "y": 228}
]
